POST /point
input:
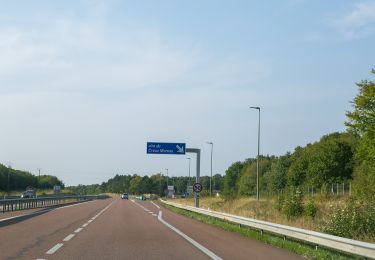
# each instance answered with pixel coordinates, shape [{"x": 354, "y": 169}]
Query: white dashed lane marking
[
  {"x": 68, "y": 237},
  {"x": 54, "y": 249},
  {"x": 78, "y": 230}
]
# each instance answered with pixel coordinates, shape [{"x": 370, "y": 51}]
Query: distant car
[
  {"x": 125, "y": 196},
  {"x": 27, "y": 194}
]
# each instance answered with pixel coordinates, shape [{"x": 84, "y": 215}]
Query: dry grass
[{"x": 265, "y": 210}]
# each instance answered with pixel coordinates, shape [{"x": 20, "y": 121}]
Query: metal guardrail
[
  {"x": 315, "y": 238},
  {"x": 30, "y": 203}
]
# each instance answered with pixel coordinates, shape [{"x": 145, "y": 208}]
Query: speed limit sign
[{"x": 197, "y": 187}]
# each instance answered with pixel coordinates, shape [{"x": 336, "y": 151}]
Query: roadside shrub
[
  {"x": 356, "y": 220},
  {"x": 204, "y": 193},
  {"x": 279, "y": 202},
  {"x": 324, "y": 194},
  {"x": 311, "y": 209},
  {"x": 293, "y": 205}
]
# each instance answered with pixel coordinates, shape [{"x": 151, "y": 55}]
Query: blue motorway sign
[{"x": 165, "y": 148}]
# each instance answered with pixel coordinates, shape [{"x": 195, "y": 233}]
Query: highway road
[{"x": 125, "y": 229}]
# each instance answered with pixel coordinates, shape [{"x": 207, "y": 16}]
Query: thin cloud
[{"x": 358, "y": 23}]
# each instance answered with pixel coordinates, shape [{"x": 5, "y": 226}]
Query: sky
[{"x": 85, "y": 84}]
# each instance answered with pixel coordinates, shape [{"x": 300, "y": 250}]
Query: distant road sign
[
  {"x": 197, "y": 187},
  {"x": 189, "y": 189},
  {"x": 165, "y": 148}
]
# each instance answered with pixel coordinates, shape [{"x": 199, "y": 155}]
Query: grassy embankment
[
  {"x": 306, "y": 250},
  {"x": 266, "y": 210}
]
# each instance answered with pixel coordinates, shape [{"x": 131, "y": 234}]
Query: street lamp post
[
  {"x": 258, "y": 108},
  {"x": 161, "y": 189},
  {"x": 189, "y": 170},
  {"x": 9, "y": 167},
  {"x": 167, "y": 177},
  {"x": 212, "y": 149}
]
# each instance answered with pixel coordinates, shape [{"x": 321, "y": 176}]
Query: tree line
[
  {"x": 328, "y": 161},
  {"x": 12, "y": 179},
  {"x": 155, "y": 184}
]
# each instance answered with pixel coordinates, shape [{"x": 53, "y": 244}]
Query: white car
[{"x": 125, "y": 196}]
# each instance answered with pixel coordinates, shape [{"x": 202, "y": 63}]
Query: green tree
[
  {"x": 330, "y": 160},
  {"x": 298, "y": 169},
  {"x": 361, "y": 121},
  {"x": 217, "y": 180},
  {"x": 232, "y": 174},
  {"x": 135, "y": 185},
  {"x": 275, "y": 178}
]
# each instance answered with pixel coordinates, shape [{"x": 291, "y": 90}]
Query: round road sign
[{"x": 197, "y": 187}]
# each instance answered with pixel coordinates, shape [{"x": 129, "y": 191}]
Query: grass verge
[{"x": 294, "y": 246}]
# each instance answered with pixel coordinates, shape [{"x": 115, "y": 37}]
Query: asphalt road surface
[{"x": 125, "y": 229}]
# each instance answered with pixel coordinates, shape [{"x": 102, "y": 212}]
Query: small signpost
[
  {"x": 170, "y": 192},
  {"x": 197, "y": 187},
  {"x": 189, "y": 189},
  {"x": 56, "y": 189}
]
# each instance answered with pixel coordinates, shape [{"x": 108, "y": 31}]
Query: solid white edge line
[
  {"x": 78, "y": 230},
  {"x": 54, "y": 249},
  {"x": 192, "y": 241},
  {"x": 155, "y": 204},
  {"x": 68, "y": 237},
  {"x": 84, "y": 225},
  {"x": 90, "y": 221}
]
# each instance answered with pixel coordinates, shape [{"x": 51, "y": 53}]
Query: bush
[
  {"x": 279, "y": 202},
  {"x": 293, "y": 205},
  {"x": 356, "y": 220},
  {"x": 311, "y": 209}
]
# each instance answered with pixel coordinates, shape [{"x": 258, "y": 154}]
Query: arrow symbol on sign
[{"x": 180, "y": 149}]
